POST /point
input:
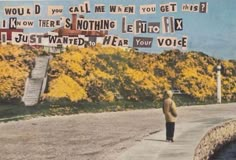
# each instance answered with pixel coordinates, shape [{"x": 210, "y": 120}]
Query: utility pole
[{"x": 218, "y": 84}]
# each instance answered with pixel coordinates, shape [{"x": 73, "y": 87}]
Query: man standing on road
[{"x": 169, "y": 110}]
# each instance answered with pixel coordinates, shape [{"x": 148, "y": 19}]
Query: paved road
[
  {"x": 190, "y": 130},
  {"x": 107, "y": 136}
]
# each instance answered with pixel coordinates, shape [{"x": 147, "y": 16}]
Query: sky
[{"x": 213, "y": 32}]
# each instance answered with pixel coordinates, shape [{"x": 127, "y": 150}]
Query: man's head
[{"x": 169, "y": 94}]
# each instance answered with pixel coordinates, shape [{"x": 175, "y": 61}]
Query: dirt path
[{"x": 99, "y": 136}]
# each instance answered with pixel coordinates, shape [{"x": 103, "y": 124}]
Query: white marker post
[{"x": 218, "y": 84}]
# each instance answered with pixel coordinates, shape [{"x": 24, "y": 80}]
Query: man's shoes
[{"x": 170, "y": 140}]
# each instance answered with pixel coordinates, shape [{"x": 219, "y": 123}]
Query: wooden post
[{"x": 218, "y": 84}]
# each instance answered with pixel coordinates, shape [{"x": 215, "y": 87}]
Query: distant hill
[{"x": 106, "y": 74}]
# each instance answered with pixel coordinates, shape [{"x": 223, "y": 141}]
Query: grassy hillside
[
  {"x": 108, "y": 74},
  {"x": 105, "y": 74},
  {"x": 15, "y": 65}
]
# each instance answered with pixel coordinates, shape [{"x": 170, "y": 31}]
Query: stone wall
[{"x": 215, "y": 139}]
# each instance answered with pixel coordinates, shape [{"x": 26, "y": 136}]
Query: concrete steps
[
  {"x": 35, "y": 85},
  {"x": 32, "y": 91},
  {"x": 40, "y": 69}
]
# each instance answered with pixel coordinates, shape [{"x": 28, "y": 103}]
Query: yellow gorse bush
[
  {"x": 15, "y": 64},
  {"x": 65, "y": 87},
  {"x": 107, "y": 73}
]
